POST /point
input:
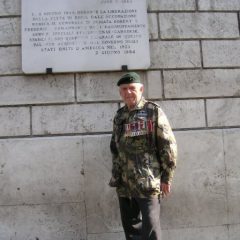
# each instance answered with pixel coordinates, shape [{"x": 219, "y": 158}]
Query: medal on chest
[{"x": 138, "y": 128}]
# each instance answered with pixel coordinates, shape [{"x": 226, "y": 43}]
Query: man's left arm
[{"x": 167, "y": 148}]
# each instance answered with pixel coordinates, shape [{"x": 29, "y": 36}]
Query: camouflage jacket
[{"x": 143, "y": 150}]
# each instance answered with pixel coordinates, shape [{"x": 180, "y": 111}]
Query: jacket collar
[{"x": 139, "y": 105}]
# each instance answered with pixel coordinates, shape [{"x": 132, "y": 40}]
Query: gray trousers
[{"x": 140, "y": 218}]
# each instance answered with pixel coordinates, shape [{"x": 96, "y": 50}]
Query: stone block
[
  {"x": 206, "y": 233},
  {"x": 36, "y": 89},
  {"x": 223, "y": 112},
  {"x": 175, "y": 54},
  {"x": 97, "y": 87},
  {"x": 198, "y": 197},
  {"x": 219, "y": 5},
  {"x": 184, "y": 114},
  {"x": 107, "y": 236},
  {"x": 153, "y": 88},
  {"x": 232, "y": 152},
  {"x": 103, "y": 86},
  {"x": 10, "y": 61},
  {"x": 221, "y": 53},
  {"x": 10, "y": 7},
  {"x": 103, "y": 215},
  {"x": 15, "y": 121},
  {"x": 85, "y": 118},
  {"x": 48, "y": 222},
  {"x": 201, "y": 83},
  {"x": 153, "y": 26},
  {"x": 234, "y": 232},
  {"x": 41, "y": 171},
  {"x": 10, "y": 31},
  {"x": 198, "y": 25},
  {"x": 171, "y": 5}
]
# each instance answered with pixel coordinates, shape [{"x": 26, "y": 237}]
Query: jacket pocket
[{"x": 148, "y": 184}]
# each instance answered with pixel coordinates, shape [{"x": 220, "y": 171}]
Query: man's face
[{"x": 131, "y": 93}]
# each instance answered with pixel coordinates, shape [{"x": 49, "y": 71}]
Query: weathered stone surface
[
  {"x": 48, "y": 222},
  {"x": 36, "y": 89},
  {"x": 15, "y": 121},
  {"x": 153, "y": 88},
  {"x": 98, "y": 86},
  {"x": 232, "y": 152},
  {"x": 234, "y": 232},
  {"x": 36, "y": 171},
  {"x": 153, "y": 26},
  {"x": 10, "y": 61},
  {"x": 103, "y": 214},
  {"x": 198, "y": 25},
  {"x": 10, "y": 7},
  {"x": 107, "y": 236},
  {"x": 85, "y": 118},
  {"x": 223, "y": 112},
  {"x": 184, "y": 114},
  {"x": 208, "y": 233},
  {"x": 233, "y": 5},
  {"x": 175, "y": 54},
  {"x": 202, "y": 83},
  {"x": 10, "y": 31},
  {"x": 198, "y": 196},
  {"x": 221, "y": 53},
  {"x": 168, "y": 5},
  {"x": 103, "y": 86}
]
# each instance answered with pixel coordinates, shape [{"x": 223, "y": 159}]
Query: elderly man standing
[{"x": 144, "y": 155}]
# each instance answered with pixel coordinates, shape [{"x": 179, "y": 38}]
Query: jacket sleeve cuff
[{"x": 166, "y": 178}]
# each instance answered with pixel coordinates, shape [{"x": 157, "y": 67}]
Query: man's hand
[
  {"x": 165, "y": 188},
  {"x": 114, "y": 182}
]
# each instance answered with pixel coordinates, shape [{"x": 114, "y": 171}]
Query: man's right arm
[{"x": 116, "y": 168}]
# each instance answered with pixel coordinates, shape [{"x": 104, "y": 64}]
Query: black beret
[{"x": 130, "y": 77}]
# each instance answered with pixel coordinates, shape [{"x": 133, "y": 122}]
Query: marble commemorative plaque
[{"x": 84, "y": 35}]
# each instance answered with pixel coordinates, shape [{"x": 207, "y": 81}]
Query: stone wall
[{"x": 55, "y": 130}]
